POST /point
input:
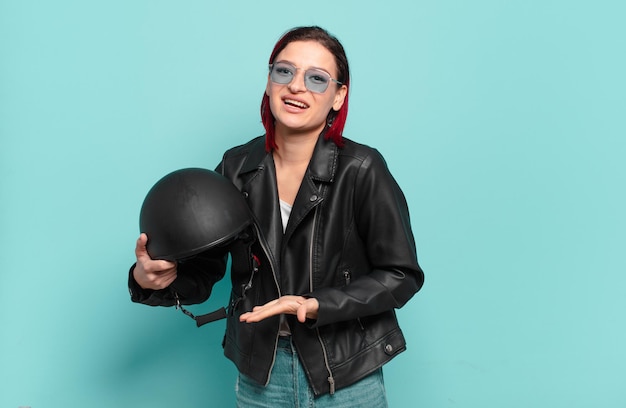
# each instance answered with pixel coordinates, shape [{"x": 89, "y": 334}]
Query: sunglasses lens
[
  {"x": 316, "y": 81},
  {"x": 282, "y": 73}
]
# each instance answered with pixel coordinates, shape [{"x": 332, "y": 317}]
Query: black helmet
[{"x": 190, "y": 211}]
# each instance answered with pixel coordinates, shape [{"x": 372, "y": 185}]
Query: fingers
[
  {"x": 156, "y": 280},
  {"x": 140, "y": 247},
  {"x": 151, "y": 265},
  {"x": 273, "y": 308},
  {"x": 150, "y": 273},
  {"x": 266, "y": 306},
  {"x": 302, "y": 307},
  {"x": 284, "y": 304}
]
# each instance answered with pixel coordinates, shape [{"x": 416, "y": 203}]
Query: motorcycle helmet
[{"x": 190, "y": 211}]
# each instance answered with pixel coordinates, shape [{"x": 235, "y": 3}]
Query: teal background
[{"x": 503, "y": 121}]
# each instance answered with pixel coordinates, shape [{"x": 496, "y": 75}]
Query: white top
[{"x": 285, "y": 212}]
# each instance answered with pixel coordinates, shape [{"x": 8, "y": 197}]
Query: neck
[{"x": 295, "y": 148}]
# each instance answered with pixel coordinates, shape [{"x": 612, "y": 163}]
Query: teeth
[{"x": 296, "y": 103}]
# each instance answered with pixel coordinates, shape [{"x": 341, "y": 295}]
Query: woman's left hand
[{"x": 303, "y": 308}]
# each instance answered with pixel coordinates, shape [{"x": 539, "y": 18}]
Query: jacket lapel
[
  {"x": 259, "y": 187},
  {"x": 258, "y": 174},
  {"x": 321, "y": 171}
]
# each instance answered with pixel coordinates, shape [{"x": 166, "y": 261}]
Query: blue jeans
[{"x": 289, "y": 387}]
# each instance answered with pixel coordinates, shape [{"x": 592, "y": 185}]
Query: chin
[{"x": 300, "y": 128}]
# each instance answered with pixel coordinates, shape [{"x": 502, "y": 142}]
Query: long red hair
[{"x": 336, "y": 120}]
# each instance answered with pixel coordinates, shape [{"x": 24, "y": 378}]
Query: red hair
[{"x": 336, "y": 120}]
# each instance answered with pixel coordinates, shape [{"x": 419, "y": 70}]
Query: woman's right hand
[{"x": 150, "y": 273}]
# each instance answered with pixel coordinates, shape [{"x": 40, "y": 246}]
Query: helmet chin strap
[
  {"x": 221, "y": 313},
  {"x": 202, "y": 319}
]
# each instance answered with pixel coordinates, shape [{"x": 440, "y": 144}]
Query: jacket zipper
[
  {"x": 331, "y": 379},
  {"x": 267, "y": 253}
]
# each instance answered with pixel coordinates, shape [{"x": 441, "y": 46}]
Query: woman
[{"x": 334, "y": 247}]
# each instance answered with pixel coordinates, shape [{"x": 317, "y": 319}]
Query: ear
[{"x": 340, "y": 97}]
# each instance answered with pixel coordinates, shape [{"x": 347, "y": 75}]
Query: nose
[{"x": 297, "y": 83}]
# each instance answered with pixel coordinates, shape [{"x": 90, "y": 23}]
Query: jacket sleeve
[
  {"x": 193, "y": 284},
  {"x": 390, "y": 274}
]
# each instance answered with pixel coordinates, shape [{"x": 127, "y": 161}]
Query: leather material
[{"x": 348, "y": 243}]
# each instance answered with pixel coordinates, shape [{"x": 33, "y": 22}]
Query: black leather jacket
[{"x": 348, "y": 243}]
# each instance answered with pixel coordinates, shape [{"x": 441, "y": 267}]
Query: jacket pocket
[{"x": 347, "y": 278}]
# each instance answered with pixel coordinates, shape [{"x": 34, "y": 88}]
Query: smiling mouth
[{"x": 297, "y": 104}]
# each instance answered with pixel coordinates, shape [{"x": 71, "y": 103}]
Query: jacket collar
[
  {"x": 324, "y": 160},
  {"x": 322, "y": 166},
  {"x": 255, "y": 156}
]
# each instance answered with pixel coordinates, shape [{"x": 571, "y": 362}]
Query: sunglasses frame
[{"x": 306, "y": 82}]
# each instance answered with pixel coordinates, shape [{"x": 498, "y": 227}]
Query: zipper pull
[
  {"x": 346, "y": 276},
  {"x": 331, "y": 381},
  {"x": 256, "y": 262}
]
